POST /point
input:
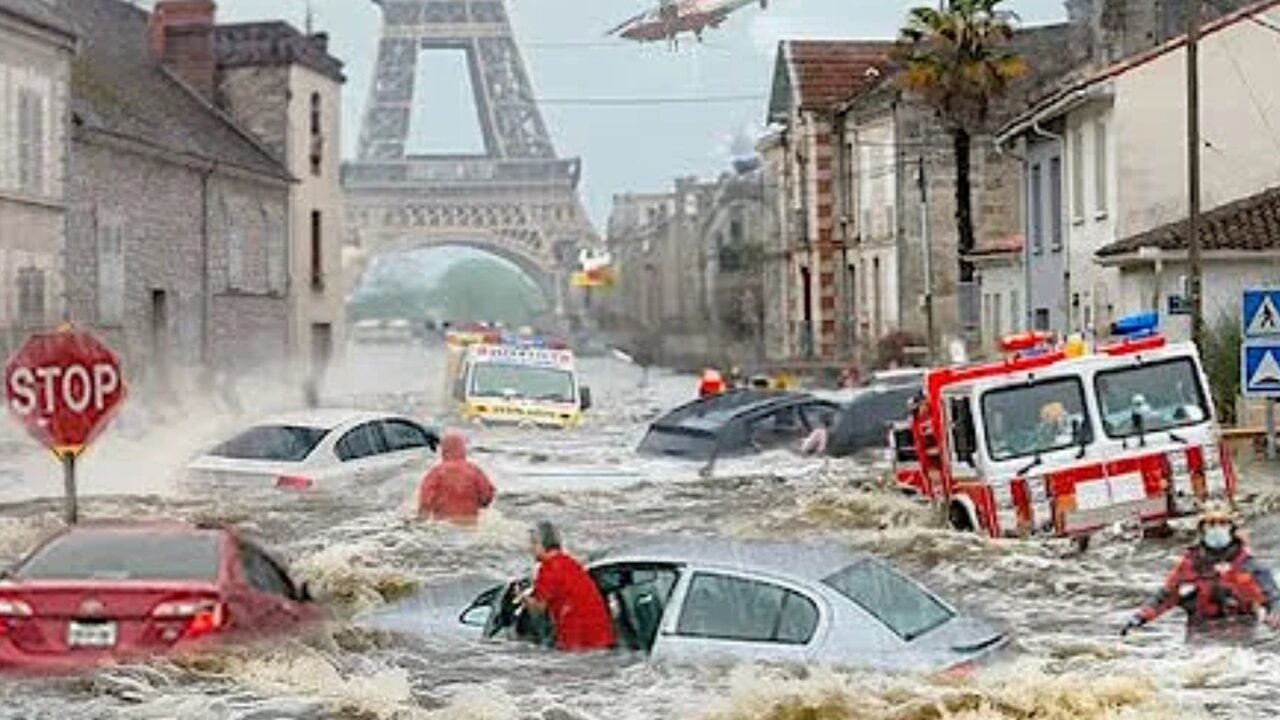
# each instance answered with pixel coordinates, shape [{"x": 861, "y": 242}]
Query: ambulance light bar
[{"x": 1140, "y": 325}]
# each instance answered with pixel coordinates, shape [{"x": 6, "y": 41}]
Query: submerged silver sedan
[{"x": 698, "y": 600}]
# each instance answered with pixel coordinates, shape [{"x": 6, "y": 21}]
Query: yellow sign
[{"x": 602, "y": 277}]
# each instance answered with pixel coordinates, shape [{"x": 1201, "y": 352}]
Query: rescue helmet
[{"x": 1217, "y": 512}]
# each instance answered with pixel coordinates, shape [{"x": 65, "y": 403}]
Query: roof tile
[{"x": 1250, "y": 224}]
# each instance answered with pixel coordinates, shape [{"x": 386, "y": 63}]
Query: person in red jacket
[
  {"x": 455, "y": 489},
  {"x": 1223, "y": 589},
  {"x": 565, "y": 592}
]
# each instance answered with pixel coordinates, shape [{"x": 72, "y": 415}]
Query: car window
[
  {"x": 678, "y": 442},
  {"x": 779, "y": 427},
  {"x": 263, "y": 574},
  {"x": 404, "y": 435},
  {"x": 891, "y": 598},
  {"x": 105, "y": 555},
  {"x": 360, "y": 442},
  {"x": 1029, "y": 419},
  {"x": 280, "y": 443},
  {"x": 819, "y": 415},
  {"x": 1150, "y": 398},
  {"x": 729, "y": 608},
  {"x": 798, "y": 621}
]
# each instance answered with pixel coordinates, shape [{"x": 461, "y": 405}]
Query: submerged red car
[{"x": 95, "y": 593}]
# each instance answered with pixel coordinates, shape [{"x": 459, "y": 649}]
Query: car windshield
[
  {"x": 101, "y": 555},
  {"x": 522, "y": 381},
  {"x": 899, "y": 603},
  {"x": 1150, "y": 398},
  {"x": 280, "y": 443},
  {"x": 678, "y": 442},
  {"x": 1025, "y": 420}
]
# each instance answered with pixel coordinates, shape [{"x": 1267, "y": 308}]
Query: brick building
[
  {"x": 811, "y": 79},
  {"x": 178, "y": 218},
  {"x": 36, "y": 48}
]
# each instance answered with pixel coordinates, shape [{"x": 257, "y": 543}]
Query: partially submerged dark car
[
  {"x": 866, "y": 418},
  {"x": 739, "y": 422}
]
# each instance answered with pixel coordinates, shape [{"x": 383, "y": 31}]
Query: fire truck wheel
[{"x": 960, "y": 518}]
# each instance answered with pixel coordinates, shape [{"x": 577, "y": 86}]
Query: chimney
[
  {"x": 182, "y": 39},
  {"x": 321, "y": 41}
]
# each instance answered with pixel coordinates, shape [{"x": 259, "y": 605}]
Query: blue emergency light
[{"x": 1138, "y": 325}]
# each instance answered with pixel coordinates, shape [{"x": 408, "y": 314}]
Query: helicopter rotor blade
[{"x": 629, "y": 21}]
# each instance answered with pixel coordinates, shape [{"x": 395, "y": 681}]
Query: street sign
[
  {"x": 1261, "y": 315},
  {"x": 1260, "y": 370},
  {"x": 63, "y": 387},
  {"x": 1179, "y": 305}
]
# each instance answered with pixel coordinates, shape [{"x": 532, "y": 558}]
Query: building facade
[
  {"x": 178, "y": 218},
  {"x": 812, "y": 78},
  {"x": 690, "y": 269},
  {"x": 286, "y": 89},
  {"x": 1118, "y": 176},
  {"x": 36, "y": 52}
]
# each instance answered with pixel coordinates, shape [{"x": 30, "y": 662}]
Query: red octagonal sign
[{"x": 63, "y": 387}]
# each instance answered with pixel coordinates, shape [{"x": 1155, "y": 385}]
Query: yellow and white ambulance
[{"x": 518, "y": 382}]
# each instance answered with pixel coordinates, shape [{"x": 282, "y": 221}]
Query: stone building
[
  {"x": 286, "y": 88},
  {"x": 811, "y": 78},
  {"x": 178, "y": 218},
  {"x": 36, "y": 50},
  {"x": 689, "y": 266}
]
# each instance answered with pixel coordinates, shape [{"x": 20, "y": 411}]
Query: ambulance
[
  {"x": 1060, "y": 440},
  {"x": 517, "y": 380}
]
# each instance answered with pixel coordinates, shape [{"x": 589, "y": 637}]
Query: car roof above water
[
  {"x": 718, "y": 410},
  {"x": 808, "y": 562},
  {"x": 326, "y": 419}
]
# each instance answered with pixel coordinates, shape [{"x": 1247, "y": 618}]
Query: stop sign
[{"x": 63, "y": 387}]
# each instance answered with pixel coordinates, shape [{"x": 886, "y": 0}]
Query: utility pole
[
  {"x": 928, "y": 252},
  {"x": 1194, "y": 284}
]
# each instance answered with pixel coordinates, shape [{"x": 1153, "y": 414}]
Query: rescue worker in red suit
[
  {"x": 711, "y": 383},
  {"x": 455, "y": 489},
  {"x": 1222, "y": 588},
  {"x": 566, "y": 593}
]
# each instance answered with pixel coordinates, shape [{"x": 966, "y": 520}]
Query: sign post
[
  {"x": 64, "y": 387},
  {"x": 1260, "y": 353}
]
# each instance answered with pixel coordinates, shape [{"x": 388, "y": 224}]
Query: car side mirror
[
  {"x": 584, "y": 398},
  {"x": 459, "y": 390}
]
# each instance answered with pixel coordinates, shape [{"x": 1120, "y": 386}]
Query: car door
[
  {"x": 364, "y": 454},
  {"x": 274, "y": 604},
  {"x": 734, "y": 617},
  {"x": 778, "y": 428},
  {"x": 409, "y": 445},
  {"x": 638, "y": 595}
]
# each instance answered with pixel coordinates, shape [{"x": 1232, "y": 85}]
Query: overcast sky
[{"x": 629, "y": 148}]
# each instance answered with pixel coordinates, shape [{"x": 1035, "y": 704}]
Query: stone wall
[{"x": 195, "y": 245}]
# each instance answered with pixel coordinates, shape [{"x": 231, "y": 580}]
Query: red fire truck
[{"x": 1057, "y": 440}]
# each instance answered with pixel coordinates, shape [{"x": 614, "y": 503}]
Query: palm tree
[{"x": 956, "y": 58}]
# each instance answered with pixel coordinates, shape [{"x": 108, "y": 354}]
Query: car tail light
[
  {"x": 293, "y": 482},
  {"x": 201, "y": 616},
  {"x": 963, "y": 671}
]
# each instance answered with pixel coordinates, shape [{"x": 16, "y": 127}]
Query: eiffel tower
[{"x": 518, "y": 200}]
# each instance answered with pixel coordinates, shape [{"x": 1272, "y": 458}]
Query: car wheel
[{"x": 959, "y": 519}]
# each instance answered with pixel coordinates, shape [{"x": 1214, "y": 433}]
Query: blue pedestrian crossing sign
[
  {"x": 1260, "y": 370},
  {"x": 1261, "y": 316}
]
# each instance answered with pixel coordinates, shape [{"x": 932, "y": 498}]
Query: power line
[
  {"x": 651, "y": 101},
  {"x": 1253, "y": 96}
]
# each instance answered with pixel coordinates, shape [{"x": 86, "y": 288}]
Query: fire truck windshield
[
  {"x": 1150, "y": 398},
  {"x": 1026, "y": 420}
]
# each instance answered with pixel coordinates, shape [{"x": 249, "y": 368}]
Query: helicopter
[{"x": 672, "y": 18}]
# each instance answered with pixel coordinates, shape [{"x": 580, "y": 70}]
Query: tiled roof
[
  {"x": 119, "y": 89},
  {"x": 818, "y": 74},
  {"x": 1251, "y": 224},
  {"x": 274, "y": 43},
  {"x": 37, "y": 12}
]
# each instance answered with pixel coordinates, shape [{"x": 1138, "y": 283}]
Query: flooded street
[{"x": 362, "y": 552}]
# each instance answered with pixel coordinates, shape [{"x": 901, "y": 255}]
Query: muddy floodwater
[{"x": 362, "y": 552}]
